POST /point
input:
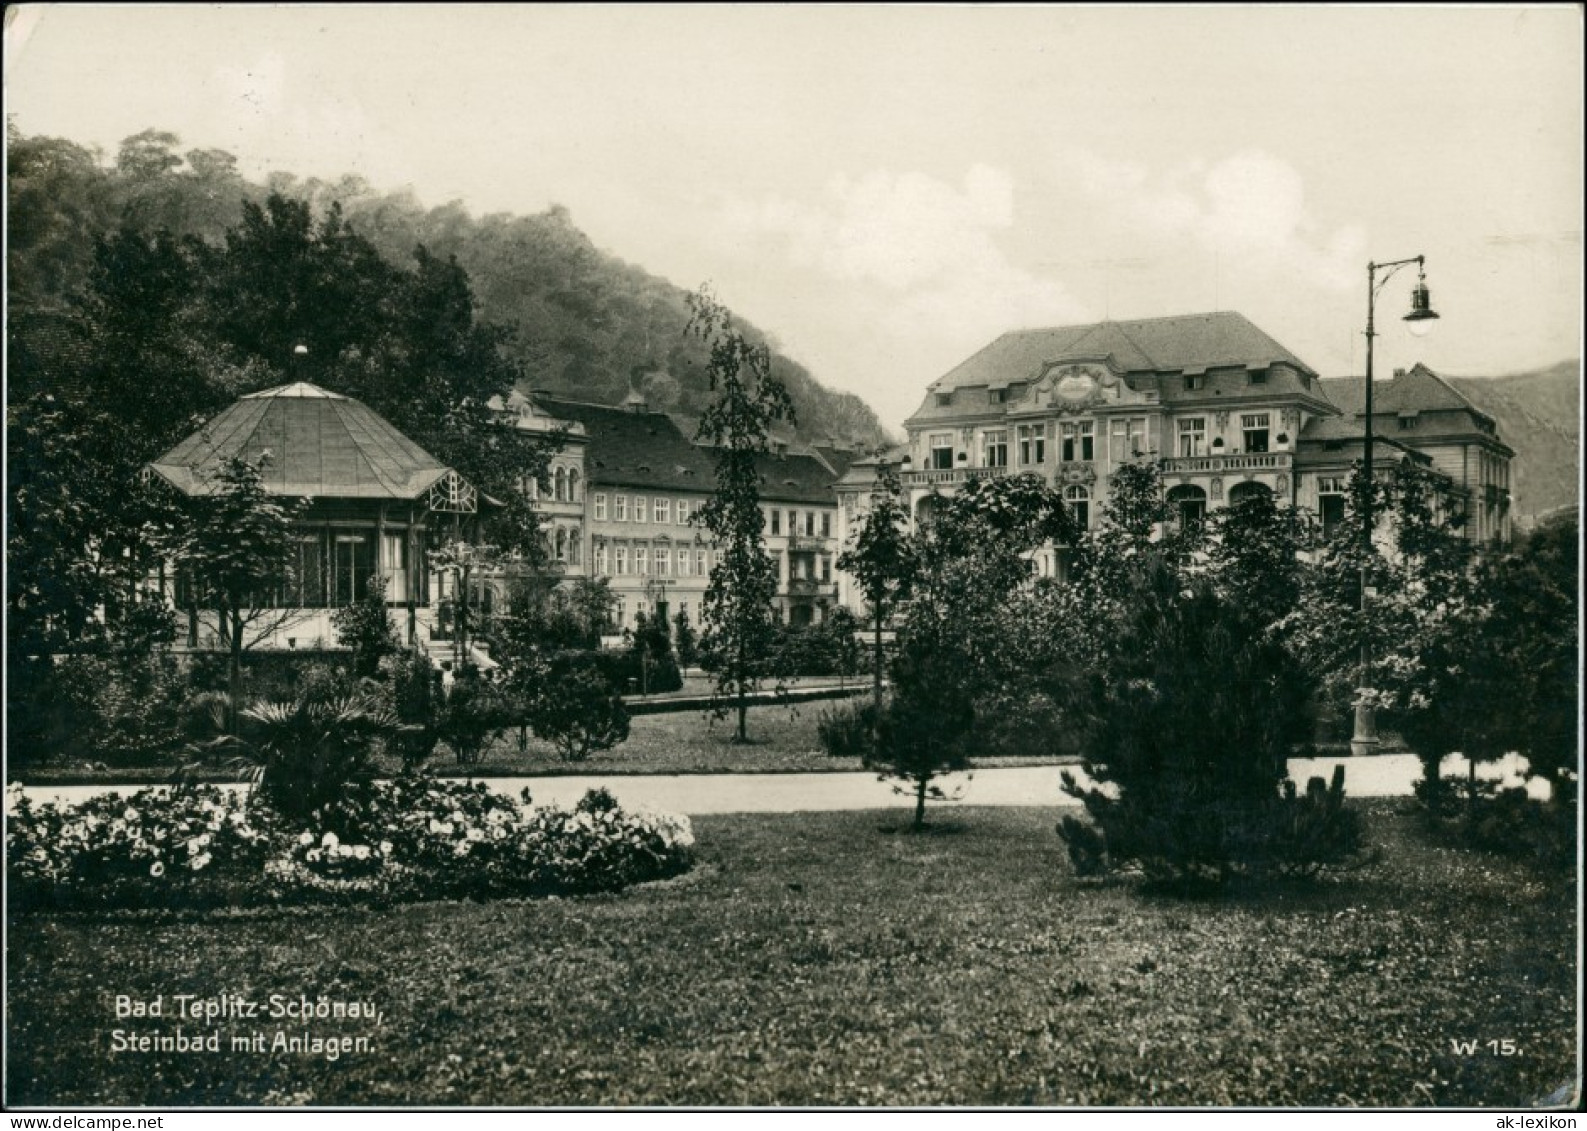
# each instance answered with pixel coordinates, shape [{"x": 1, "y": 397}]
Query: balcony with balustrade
[
  {"x": 951, "y": 477},
  {"x": 1223, "y": 464}
]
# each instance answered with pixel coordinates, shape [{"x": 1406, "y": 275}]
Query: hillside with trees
[
  {"x": 1539, "y": 415},
  {"x": 573, "y": 318}
]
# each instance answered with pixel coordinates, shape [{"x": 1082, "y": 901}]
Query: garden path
[{"x": 1386, "y": 775}]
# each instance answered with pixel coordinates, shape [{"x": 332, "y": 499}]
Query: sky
[{"x": 885, "y": 190}]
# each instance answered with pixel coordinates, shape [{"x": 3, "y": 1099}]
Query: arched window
[
  {"x": 573, "y": 486},
  {"x": 1187, "y": 503},
  {"x": 1248, "y": 490},
  {"x": 574, "y": 541},
  {"x": 562, "y": 545},
  {"x": 559, "y": 485},
  {"x": 1078, "y": 499}
]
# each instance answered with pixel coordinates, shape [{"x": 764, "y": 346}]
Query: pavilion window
[
  {"x": 941, "y": 451},
  {"x": 352, "y": 563},
  {"x": 1079, "y": 442},
  {"x": 394, "y": 564}
]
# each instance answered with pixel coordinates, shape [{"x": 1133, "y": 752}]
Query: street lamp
[{"x": 1365, "y": 739}]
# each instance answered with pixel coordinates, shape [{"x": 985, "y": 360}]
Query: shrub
[
  {"x": 579, "y": 711},
  {"x": 470, "y": 716},
  {"x": 308, "y": 751},
  {"x": 365, "y": 627},
  {"x": 118, "y": 709},
  {"x": 1187, "y": 729},
  {"x": 848, "y": 730},
  {"x": 413, "y": 688}
]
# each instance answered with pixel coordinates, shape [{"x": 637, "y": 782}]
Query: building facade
[
  {"x": 644, "y": 481},
  {"x": 376, "y": 504},
  {"x": 1224, "y": 408}
]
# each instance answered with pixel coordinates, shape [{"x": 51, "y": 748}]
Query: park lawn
[
  {"x": 782, "y": 739},
  {"x": 835, "y": 959}
]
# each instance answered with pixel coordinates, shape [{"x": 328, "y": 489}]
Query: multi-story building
[
  {"x": 1415, "y": 415},
  {"x": 1225, "y": 409},
  {"x": 644, "y": 481}
]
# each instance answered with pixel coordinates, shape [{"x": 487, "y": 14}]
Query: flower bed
[{"x": 412, "y": 838}]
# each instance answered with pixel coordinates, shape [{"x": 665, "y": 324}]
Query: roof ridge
[{"x": 1465, "y": 400}]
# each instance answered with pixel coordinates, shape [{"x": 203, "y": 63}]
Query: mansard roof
[
  {"x": 1220, "y": 346},
  {"x": 320, "y": 445}
]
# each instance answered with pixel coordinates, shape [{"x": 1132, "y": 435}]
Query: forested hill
[
  {"x": 583, "y": 323},
  {"x": 1538, "y": 414}
]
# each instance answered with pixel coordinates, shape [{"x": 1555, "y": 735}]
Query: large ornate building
[{"x": 1224, "y": 407}]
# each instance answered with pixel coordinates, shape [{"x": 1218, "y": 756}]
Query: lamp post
[{"x": 1365, "y": 740}]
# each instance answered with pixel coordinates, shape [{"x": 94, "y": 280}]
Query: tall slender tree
[
  {"x": 883, "y": 561},
  {"x": 743, "y": 585}
]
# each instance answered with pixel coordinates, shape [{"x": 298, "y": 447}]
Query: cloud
[
  {"x": 1250, "y": 207},
  {"x": 928, "y": 249}
]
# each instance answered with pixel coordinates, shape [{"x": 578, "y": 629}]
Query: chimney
[{"x": 1399, "y": 373}]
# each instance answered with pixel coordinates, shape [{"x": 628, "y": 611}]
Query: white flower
[
  {"x": 361, "y": 852},
  {"x": 199, "y": 861},
  {"x": 157, "y": 869},
  {"x": 475, "y": 834},
  {"x": 385, "y": 848},
  {"x": 330, "y": 840},
  {"x": 306, "y": 839}
]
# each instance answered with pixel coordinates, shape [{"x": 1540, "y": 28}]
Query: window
[
  {"x": 575, "y": 540},
  {"x": 1331, "y": 497},
  {"x": 1078, "y": 500},
  {"x": 600, "y": 559},
  {"x": 1187, "y": 503},
  {"x": 600, "y": 508},
  {"x": 1032, "y": 444},
  {"x": 561, "y": 544},
  {"x": 1193, "y": 436},
  {"x": 810, "y": 524},
  {"x": 394, "y": 564},
  {"x": 699, "y": 563},
  {"x": 997, "y": 396},
  {"x": 1193, "y": 383},
  {"x": 1254, "y": 425},
  {"x": 944, "y": 399},
  {"x": 826, "y": 568},
  {"x": 776, "y": 522},
  {"x": 994, "y": 448},
  {"x": 621, "y": 508},
  {"x": 573, "y": 486},
  {"x": 793, "y": 523},
  {"x": 1407, "y": 421},
  {"x": 683, "y": 512},
  {"x": 663, "y": 510},
  {"x": 641, "y": 560},
  {"x": 683, "y": 562},
  {"x": 826, "y": 524},
  {"x": 639, "y": 508},
  {"x": 1079, "y": 444},
  {"x": 559, "y": 485},
  {"x": 1128, "y": 437},
  {"x": 352, "y": 563},
  {"x": 663, "y": 561},
  {"x": 308, "y": 578},
  {"x": 1258, "y": 376},
  {"x": 620, "y": 559},
  {"x": 619, "y": 612},
  {"x": 941, "y": 451}
]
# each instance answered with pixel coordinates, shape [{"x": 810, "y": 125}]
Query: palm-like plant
[{"x": 306, "y": 752}]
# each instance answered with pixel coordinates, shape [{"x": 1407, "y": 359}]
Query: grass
[
  {"x": 836, "y": 959},
  {"x": 783, "y": 739}
]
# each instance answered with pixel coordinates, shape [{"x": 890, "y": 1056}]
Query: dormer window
[
  {"x": 997, "y": 396},
  {"x": 944, "y": 400},
  {"x": 1257, "y": 376},
  {"x": 1195, "y": 383}
]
